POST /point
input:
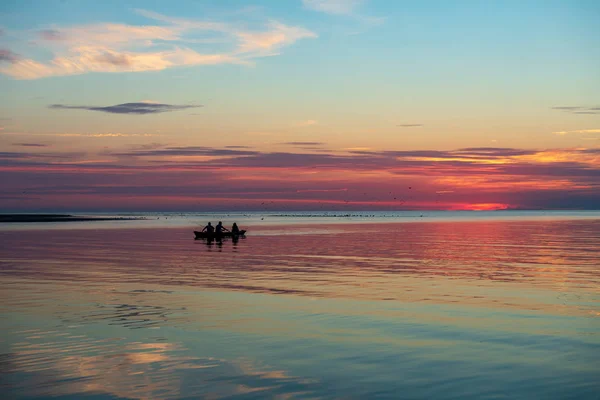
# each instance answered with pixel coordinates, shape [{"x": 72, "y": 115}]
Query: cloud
[
  {"x": 8, "y": 56},
  {"x": 51, "y": 34},
  {"x": 128, "y": 108},
  {"x": 111, "y": 47},
  {"x": 30, "y": 144},
  {"x": 102, "y": 135},
  {"x": 114, "y": 59},
  {"x": 481, "y": 159},
  {"x": 149, "y": 146},
  {"x": 309, "y": 122},
  {"x": 87, "y": 59},
  {"x": 189, "y": 151},
  {"x": 304, "y": 143},
  {"x": 567, "y": 108},
  {"x": 583, "y": 131},
  {"x": 346, "y": 8},
  {"x": 42, "y": 158},
  {"x": 578, "y": 109},
  {"x": 268, "y": 43},
  {"x": 156, "y": 176},
  {"x": 410, "y": 125},
  {"x": 335, "y": 7},
  {"x": 320, "y": 190},
  {"x": 366, "y": 150},
  {"x": 11, "y": 154},
  {"x": 492, "y": 152},
  {"x": 590, "y": 151}
]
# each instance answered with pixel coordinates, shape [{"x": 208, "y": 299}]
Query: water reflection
[
  {"x": 478, "y": 263},
  {"x": 431, "y": 310},
  {"x": 218, "y": 242},
  {"x": 50, "y": 364}
]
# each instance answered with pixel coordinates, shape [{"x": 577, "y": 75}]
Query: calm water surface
[{"x": 445, "y": 310}]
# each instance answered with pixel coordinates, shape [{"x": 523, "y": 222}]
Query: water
[
  {"x": 455, "y": 308},
  {"x": 269, "y": 218}
]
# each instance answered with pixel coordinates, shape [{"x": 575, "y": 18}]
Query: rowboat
[{"x": 206, "y": 235}]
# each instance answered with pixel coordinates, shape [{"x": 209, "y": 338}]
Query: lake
[{"x": 443, "y": 306}]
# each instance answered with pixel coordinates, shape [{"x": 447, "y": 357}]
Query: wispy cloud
[
  {"x": 309, "y": 122},
  {"x": 129, "y": 108},
  {"x": 358, "y": 149},
  {"x": 320, "y": 190},
  {"x": 82, "y": 135},
  {"x": 8, "y": 56},
  {"x": 192, "y": 151},
  {"x": 111, "y": 47},
  {"x": 580, "y": 131},
  {"x": 30, "y": 144},
  {"x": 347, "y": 8},
  {"x": 578, "y": 109},
  {"x": 51, "y": 34},
  {"x": 409, "y": 125},
  {"x": 103, "y": 135},
  {"x": 269, "y": 43},
  {"x": 491, "y": 152},
  {"x": 304, "y": 143},
  {"x": 336, "y": 7}
]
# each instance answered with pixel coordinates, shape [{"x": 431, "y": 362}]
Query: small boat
[{"x": 206, "y": 235}]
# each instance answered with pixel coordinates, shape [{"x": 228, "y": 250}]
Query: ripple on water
[{"x": 436, "y": 310}]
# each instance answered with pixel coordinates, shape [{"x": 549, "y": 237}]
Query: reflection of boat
[{"x": 206, "y": 235}]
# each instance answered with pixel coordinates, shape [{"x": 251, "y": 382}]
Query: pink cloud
[{"x": 180, "y": 177}]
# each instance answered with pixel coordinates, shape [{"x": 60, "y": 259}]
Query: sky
[{"x": 299, "y": 105}]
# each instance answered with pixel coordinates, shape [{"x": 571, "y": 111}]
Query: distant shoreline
[{"x": 7, "y": 218}]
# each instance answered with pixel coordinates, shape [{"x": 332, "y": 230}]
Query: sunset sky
[{"x": 299, "y": 105}]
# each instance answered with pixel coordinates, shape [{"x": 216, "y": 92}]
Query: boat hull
[{"x": 205, "y": 235}]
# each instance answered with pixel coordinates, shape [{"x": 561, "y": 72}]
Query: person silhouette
[
  {"x": 209, "y": 228},
  {"x": 220, "y": 228},
  {"x": 234, "y": 229}
]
